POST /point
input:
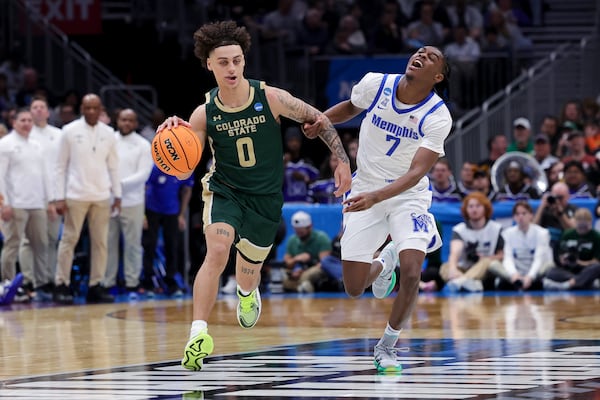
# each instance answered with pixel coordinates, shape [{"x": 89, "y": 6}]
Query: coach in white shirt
[
  {"x": 49, "y": 137},
  {"x": 25, "y": 185},
  {"x": 135, "y": 165},
  {"x": 87, "y": 174}
]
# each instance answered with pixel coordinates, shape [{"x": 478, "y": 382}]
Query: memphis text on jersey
[
  {"x": 397, "y": 130},
  {"x": 241, "y": 126}
]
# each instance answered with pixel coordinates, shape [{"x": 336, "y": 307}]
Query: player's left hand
[
  {"x": 312, "y": 129},
  {"x": 343, "y": 179},
  {"x": 360, "y": 202}
]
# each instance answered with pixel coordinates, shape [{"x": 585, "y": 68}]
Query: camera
[
  {"x": 551, "y": 199},
  {"x": 572, "y": 254},
  {"x": 471, "y": 252}
]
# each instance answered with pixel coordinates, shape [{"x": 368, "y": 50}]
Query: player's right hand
[
  {"x": 312, "y": 129},
  {"x": 172, "y": 122}
]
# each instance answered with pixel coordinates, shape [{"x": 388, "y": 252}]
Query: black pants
[
  {"x": 170, "y": 230},
  {"x": 584, "y": 276}
]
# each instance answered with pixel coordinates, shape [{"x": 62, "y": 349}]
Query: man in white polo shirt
[
  {"x": 87, "y": 174},
  {"x": 135, "y": 165}
]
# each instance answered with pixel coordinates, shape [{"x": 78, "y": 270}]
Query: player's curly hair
[{"x": 217, "y": 34}]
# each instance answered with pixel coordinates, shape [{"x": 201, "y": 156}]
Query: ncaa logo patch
[{"x": 258, "y": 107}]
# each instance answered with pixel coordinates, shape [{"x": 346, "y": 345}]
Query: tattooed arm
[{"x": 284, "y": 104}]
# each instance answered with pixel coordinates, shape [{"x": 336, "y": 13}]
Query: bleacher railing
[
  {"x": 63, "y": 64},
  {"x": 566, "y": 73}
]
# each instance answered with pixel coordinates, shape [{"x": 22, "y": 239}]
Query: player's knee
[{"x": 217, "y": 253}]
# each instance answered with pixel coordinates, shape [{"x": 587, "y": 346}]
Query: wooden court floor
[{"x": 472, "y": 346}]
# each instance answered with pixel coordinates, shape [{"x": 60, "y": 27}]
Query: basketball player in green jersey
[{"x": 242, "y": 191}]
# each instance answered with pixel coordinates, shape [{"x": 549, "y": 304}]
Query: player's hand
[
  {"x": 343, "y": 179},
  {"x": 312, "y": 129},
  {"x": 61, "y": 207},
  {"x": 360, "y": 202},
  {"x": 7, "y": 213},
  {"x": 172, "y": 122}
]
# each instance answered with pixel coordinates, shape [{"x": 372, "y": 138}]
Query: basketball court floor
[{"x": 509, "y": 346}]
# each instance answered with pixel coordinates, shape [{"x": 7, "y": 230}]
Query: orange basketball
[{"x": 176, "y": 150}]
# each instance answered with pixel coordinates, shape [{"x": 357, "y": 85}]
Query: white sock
[
  {"x": 197, "y": 327},
  {"x": 243, "y": 292},
  {"x": 390, "y": 336}
]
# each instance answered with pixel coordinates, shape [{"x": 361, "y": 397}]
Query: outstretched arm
[{"x": 282, "y": 103}]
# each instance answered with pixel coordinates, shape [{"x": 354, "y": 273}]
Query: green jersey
[{"x": 246, "y": 143}]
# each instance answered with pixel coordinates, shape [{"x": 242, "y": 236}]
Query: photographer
[
  {"x": 578, "y": 261},
  {"x": 475, "y": 245},
  {"x": 555, "y": 213}
]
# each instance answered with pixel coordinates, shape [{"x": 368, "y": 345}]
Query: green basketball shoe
[{"x": 196, "y": 349}]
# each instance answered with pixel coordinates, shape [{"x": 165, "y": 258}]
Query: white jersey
[
  {"x": 49, "y": 137},
  {"x": 526, "y": 252},
  {"x": 391, "y": 132}
]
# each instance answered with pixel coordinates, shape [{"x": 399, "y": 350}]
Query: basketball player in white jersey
[{"x": 401, "y": 137}]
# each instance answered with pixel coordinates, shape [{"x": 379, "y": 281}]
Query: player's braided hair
[
  {"x": 217, "y": 34},
  {"x": 442, "y": 88}
]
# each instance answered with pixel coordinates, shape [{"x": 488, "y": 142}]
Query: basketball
[{"x": 176, "y": 150}]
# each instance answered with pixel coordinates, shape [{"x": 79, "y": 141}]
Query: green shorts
[{"x": 255, "y": 217}]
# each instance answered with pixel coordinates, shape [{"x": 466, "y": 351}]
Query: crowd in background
[{"x": 565, "y": 145}]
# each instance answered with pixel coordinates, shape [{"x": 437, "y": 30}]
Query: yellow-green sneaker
[
  {"x": 248, "y": 309},
  {"x": 196, "y": 349}
]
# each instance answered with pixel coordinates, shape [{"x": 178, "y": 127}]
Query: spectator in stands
[
  {"x": 66, "y": 115},
  {"x": 527, "y": 252},
  {"x": 25, "y": 186},
  {"x": 348, "y": 38},
  {"x": 555, "y": 173},
  {"x": 571, "y": 113},
  {"x": 304, "y": 251},
  {"x": 482, "y": 183},
  {"x": 135, "y": 165},
  {"x": 517, "y": 184},
  {"x": 50, "y": 138},
  {"x": 549, "y": 127},
  {"x": 578, "y": 256},
  {"x": 521, "y": 136},
  {"x": 443, "y": 187},
  {"x": 460, "y": 13},
  {"x": 8, "y": 117},
  {"x": 283, "y": 22},
  {"x": 493, "y": 41},
  {"x": 299, "y": 172},
  {"x": 465, "y": 183},
  {"x": 13, "y": 68},
  {"x": 578, "y": 152},
  {"x": 463, "y": 52},
  {"x": 590, "y": 109},
  {"x": 321, "y": 190},
  {"x": 31, "y": 88},
  {"x": 507, "y": 31},
  {"x": 476, "y": 243},
  {"x": 387, "y": 36},
  {"x": 591, "y": 129},
  {"x": 542, "y": 151},
  {"x": 312, "y": 34},
  {"x": 424, "y": 31},
  {"x": 69, "y": 105},
  {"x": 87, "y": 176},
  {"x": 6, "y": 100},
  {"x": 513, "y": 13},
  {"x": 167, "y": 199},
  {"x": 555, "y": 213},
  {"x": 352, "y": 149},
  {"x": 497, "y": 146},
  {"x": 576, "y": 179}
]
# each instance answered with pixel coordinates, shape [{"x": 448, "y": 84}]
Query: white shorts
[{"x": 405, "y": 218}]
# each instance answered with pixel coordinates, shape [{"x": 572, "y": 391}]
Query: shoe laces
[{"x": 247, "y": 303}]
